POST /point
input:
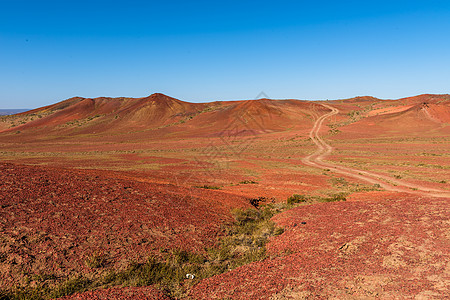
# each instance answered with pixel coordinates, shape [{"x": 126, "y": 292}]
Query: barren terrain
[
  {"x": 128, "y": 178},
  {"x": 386, "y": 248}
]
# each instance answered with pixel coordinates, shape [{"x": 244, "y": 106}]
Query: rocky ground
[
  {"x": 387, "y": 248},
  {"x": 54, "y": 222}
]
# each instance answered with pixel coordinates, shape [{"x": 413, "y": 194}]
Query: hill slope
[
  {"x": 157, "y": 116},
  {"x": 164, "y": 115}
]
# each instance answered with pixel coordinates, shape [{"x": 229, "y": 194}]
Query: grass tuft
[
  {"x": 295, "y": 198},
  {"x": 208, "y": 187},
  {"x": 96, "y": 260},
  {"x": 248, "y": 182}
]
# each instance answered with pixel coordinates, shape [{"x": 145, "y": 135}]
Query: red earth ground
[
  {"x": 142, "y": 158},
  {"x": 384, "y": 248},
  {"x": 122, "y": 293},
  {"x": 53, "y": 219}
]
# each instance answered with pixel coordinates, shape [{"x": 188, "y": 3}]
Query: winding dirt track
[{"x": 388, "y": 183}]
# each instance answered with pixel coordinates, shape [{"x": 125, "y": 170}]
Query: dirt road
[{"x": 388, "y": 183}]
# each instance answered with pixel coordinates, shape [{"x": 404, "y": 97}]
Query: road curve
[{"x": 388, "y": 183}]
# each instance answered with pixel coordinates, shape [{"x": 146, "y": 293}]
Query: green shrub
[
  {"x": 245, "y": 216},
  {"x": 334, "y": 198},
  {"x": 24, "y": 294},
  {"x": 208, "y": 187},
  {"x": 295, "y": 198},
  {"x": 248, "y": 182},
  {"x": 256, "y": 202}
]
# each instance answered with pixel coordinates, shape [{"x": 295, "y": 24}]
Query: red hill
[
  {"x": 86, "y": 115},
  {"x": 162, "y": 115},
  {"x": 159, "y": 116}
]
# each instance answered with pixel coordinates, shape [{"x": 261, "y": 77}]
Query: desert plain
[{"x": 158, "y": 198}]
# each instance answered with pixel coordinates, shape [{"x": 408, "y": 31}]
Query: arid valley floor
[{"x": 157, "y": 198}]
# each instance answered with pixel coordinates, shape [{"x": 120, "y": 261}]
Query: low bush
[
  {"x": 335, "y": 198},
  {"x": 295, "y": 198},
  {"x": 248, "y": 182},
  {"x": 208, "y": 187},
  {"x": 256, "y": 202}
]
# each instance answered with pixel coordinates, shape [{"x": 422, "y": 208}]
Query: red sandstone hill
[
  {"x": 159, "y": 115},
  {"x": 361, "y": 99},
  {"x": 83, "y": 115}
]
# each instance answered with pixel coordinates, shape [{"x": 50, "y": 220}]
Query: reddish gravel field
[
  {"x": 387, "y": 248},
  {"x": 53, "y": 219},
  {"x": 127, "y": 293}
]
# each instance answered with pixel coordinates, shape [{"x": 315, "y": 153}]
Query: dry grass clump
[{"x": 295, "y": 198}]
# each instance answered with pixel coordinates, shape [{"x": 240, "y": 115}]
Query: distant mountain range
[{"x": 11, "y": 111}]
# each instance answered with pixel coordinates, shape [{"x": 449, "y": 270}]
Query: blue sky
[{"x": 221, "y": 50}]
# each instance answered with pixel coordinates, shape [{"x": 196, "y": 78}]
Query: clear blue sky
[{"x": 221, "y": 50}]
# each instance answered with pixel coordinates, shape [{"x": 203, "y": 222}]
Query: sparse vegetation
[
  {"x": 248, "y": 182},
  {"x": 295, "y": 198},
  {"x": 243, "y": 243},
  {"x": 208, "y": 187},
  {"x": 256, "y": 202},
  {"x": 96, "y": 260},
  {"x": 334, "y": 198},
  {"x": 342, "y": 184},
  {"x": 20, "y": 119},
  {"x": 71, "y": 286},
  {"x": 81, "y": 122},
  {"x": 333, "y": 129}
]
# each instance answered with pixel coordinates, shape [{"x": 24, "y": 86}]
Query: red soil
[
  {"x": 52, "y": 219},
  {"x": 126, "y": 293},
  {"x": 389, "y": 110},
  {"x": 388, "y": 248}
]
